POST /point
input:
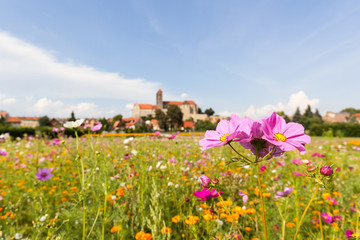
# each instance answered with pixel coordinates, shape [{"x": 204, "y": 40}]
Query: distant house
[
  {"x": 189, "y": 108},
  {"x": 357, "y": 115},
  {"x": 155, "y": 124},
  {"x": 4, "y": 115},
  {"x": 14, "y": 121},
  {"x": 335, "y": 117},
  {"x": 189, "y": 125},
  {"x": 132, "y": 122}
]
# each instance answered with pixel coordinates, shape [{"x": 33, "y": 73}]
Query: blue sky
[{"x": 246, "y": 57}]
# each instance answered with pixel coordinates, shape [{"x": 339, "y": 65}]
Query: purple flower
[
  {"x": 286, "y": 192},
  {"x": 205, "y": 180},
  {"x": 287, "y": 136},
  {"x": 44, "y": 174},
  {"x": 97, "y": 127},
  {"x": 245, "y": 197},
  {"x": 326, "y": 170},
  {"x": 172, "y": 137},
  {"x": 206, "y": 194},
  {"x": 332, "y": 201}
]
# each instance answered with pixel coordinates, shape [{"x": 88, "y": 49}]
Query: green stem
[
  {"x": 244, "y": 158},
  {"x": 83, "y": 192},
  {"x": 307, "y": 207},
  {"x": 262, "y": 202}
]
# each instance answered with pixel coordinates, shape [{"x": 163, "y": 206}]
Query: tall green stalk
[{"x": 307, "y": 207}]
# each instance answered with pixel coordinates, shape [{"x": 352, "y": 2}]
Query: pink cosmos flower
[
  {"x": 298, "y": 174},
  {"x": 297, "y": 161},
  {"x": 97, "y": 127},
  {"x": 3, "y": 152},
  {"x": 350, "y": 234},
  {"x": 245, "y": 197},
  {"x": 287, "y": 191},
  {"x": 317, "y": 155},
  {"x": 332, "y": 201},
  {"x": 44, "y": 174},
  {"x": 224, "y": 133},
  {"x": 205, "y": 180},
  {"x": 206, "y": 194},
  {"x": 252, "y": 138},
  {"x": 262, "y": 168},
  {"x": 329, "y": 218},
  {"x": 287, "y": 136},
  {"x": 157, "y": 133}
]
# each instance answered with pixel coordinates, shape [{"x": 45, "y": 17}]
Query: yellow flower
[
  {"x": 207, "y": 217},
  {"x": 191, "y": 220}
]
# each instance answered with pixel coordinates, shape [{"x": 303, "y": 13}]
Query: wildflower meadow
[{"x": 248, "y": 179}]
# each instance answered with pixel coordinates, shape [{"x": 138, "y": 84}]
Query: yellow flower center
[
  {"x": 223, "y": 138},
  {"x": 280, "y": 137}
]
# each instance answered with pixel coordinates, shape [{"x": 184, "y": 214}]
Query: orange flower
[
  {"x": 207, "y": 217},
  {"x": 176, "y": 219},
  {"x": 248, "y": 229},
  {"x": 143, "y": 236},
  {"x": 250, "y": 211},
  {"x": 290, "y": 225},
  {"x": 191, "y": 220},
  {"x": 120, "y": 192},
  {"x": 166, "y": 230},
  {"x": 115, "y": 229}
]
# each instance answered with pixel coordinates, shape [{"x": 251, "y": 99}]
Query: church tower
[{"x": 159, "y": 99}]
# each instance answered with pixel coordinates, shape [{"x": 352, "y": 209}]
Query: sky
[{"x": 98, "y": 58}]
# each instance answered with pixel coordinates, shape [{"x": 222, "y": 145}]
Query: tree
[
  {"x": 44, "y": 121},
  {"x": 175, "y": 116},
  {"x": 308, "y": 113},
  {"x": 116, "y": 118},
  {"x": 297, "y": 115},
  {"x": 3, "y": 122},
  {"x": 318, "y": 116},
  {"x": 203, "y": 125},
  {"x": 162, "y": 119},
  {"x": 200, "y": 111},
  {"x": 350, "y": 110},
  {"x": 282, "y": 114},
  {"x": 209, "y": 112},
  {"x": 72, "y": 118}
]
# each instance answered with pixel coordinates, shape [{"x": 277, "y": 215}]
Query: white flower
[
  {"x": 113, "y": 197},
  {"x": 134, "y": 152},
  {"x": 18, "y": 236},
  {"x": 305, "y": 161},
  {"x": 170, "y": 184},
  {"x": 219, "y": 222},
  {"x": 163, "y": 167},
  {"x": 126, "y": 141},
  {"x": 158, "y": 164},
  {"x": 43, "y": 218},
  {"x": 176, "y": 186},
  {"x": 149, "y": 169},
  {"x": 123, "y": 184},
  {"x": 72, "y": 124}
]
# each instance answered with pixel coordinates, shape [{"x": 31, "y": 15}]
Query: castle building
[{"x": 189, "y": 108}]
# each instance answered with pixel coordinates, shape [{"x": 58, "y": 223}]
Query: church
[{"x": 189, "y": 108}]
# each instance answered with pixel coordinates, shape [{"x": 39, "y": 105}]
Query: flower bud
[
  {"x": 187, "y": 199},
  {"x": 214, "y": 180},
  {"x": 311, "y": 169},
  {"x": 205, "y": 180},
  {"x": 326, "y": 170}
]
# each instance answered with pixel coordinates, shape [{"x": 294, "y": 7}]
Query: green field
[{"x": 144, "y": 189}]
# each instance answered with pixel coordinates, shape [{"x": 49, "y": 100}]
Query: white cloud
[
  {"x": 45, "y": 106},
  {"x": 299, "y": 99},
  {"x": 184, "y": 95},
  {"x": 5, "y": 100},
  {"x": 25, "y": 66}
]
